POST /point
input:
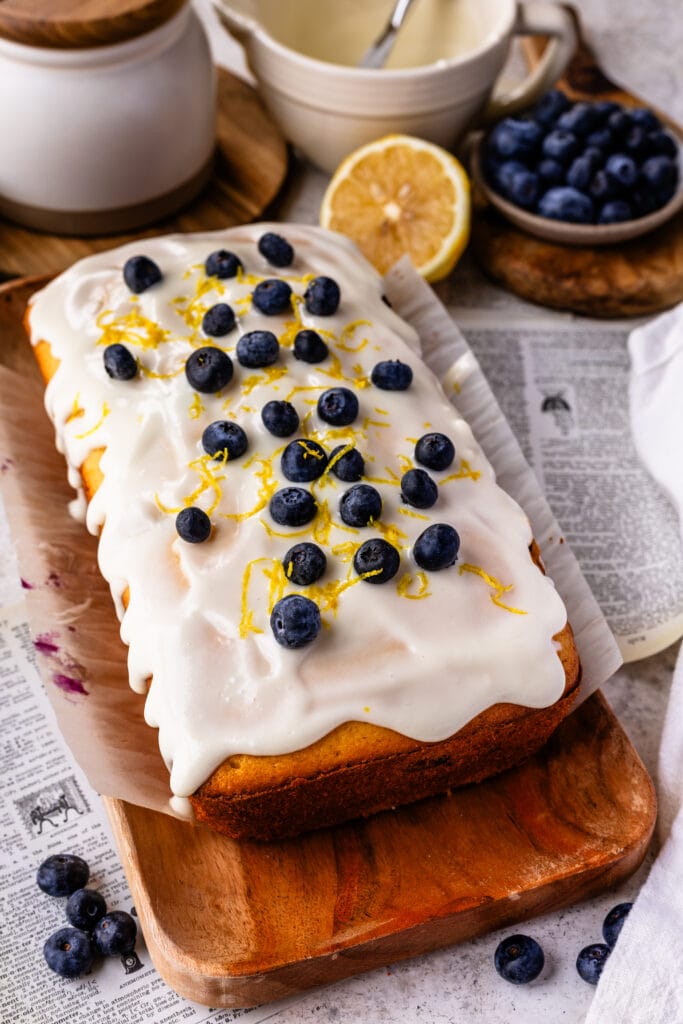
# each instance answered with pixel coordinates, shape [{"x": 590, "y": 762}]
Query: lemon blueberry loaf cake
[{"x": 332, "y": 607}]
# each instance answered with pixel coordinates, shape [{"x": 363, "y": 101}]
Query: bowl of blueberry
[{"x": 582, "y": 173}]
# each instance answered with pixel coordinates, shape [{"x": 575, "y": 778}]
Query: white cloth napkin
[{"x": 642, "y": 982}]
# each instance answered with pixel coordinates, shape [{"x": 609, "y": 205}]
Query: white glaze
[{"x": 422, "y": 667}]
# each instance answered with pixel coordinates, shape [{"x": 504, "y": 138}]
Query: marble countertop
[{"x": 460, "y": 984}]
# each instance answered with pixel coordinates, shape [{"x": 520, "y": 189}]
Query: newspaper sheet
[
  {"x": 562, "y": 384},
  {"x": 47, "y": 806}
]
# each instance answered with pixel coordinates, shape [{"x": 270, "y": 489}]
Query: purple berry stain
[
  {"x": 44, "y": 643},
  {"x": 68, "y": 684},
  {"x": 25, "y": 584}
]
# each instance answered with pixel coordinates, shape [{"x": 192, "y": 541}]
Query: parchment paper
[{"x": 81, "y": 658}]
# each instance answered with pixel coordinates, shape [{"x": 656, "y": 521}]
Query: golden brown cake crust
[{"x": 359, "y": 769}]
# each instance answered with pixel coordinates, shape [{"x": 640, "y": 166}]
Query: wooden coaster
[
  {"x": 251, "y": 165},
  {"x": 633, "y": 278}
]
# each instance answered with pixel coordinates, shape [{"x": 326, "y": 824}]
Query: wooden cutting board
[
  {"x": 239, "y": 923},
  {"x": 251, "y": 165},
  {"x": 633, "y": 278}
]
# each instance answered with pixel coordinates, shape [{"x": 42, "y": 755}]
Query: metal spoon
[{"x": 377, "y": 55}]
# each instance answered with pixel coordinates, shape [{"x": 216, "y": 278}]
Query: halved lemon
[{"x": 401, "y": 195}]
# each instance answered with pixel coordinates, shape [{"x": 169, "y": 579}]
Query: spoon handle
[{"x": 378, "y": 53}]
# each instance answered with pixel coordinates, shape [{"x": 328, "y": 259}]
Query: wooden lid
[{"x": 73, "y": 24}]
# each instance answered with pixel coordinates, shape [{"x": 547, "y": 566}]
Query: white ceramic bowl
[
  {"x": 109, "y": 137},
  {"x": 327, "y": 110},
  {"x": 567, "y": 233}
]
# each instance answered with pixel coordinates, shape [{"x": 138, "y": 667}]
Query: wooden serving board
[
  {"x": 635, "y": 278},
  {"x": 251, "y": 165},
  {"x": 239, "y": 923}
]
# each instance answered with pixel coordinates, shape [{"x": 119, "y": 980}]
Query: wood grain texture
[
  {"x": 635, "y": 278},
  {"x": 73, "y": 24},
  {"x": 251, "y": 165},
  {"x": 238, "y": 923}
]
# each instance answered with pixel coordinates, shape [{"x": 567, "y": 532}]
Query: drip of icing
[{"x": 422, "y": 653}]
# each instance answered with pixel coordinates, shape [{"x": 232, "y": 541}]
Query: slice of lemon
[{"x": 401, "y": 195}]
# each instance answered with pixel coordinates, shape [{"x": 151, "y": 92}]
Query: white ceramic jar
[{"x": 106, "y": 138}]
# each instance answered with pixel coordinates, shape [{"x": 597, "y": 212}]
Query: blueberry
[
  {"x": 595, "y": 154},
  {"x": 224, "y": 435},
  {"x": 322, "y": 296},
  {"x": 579, "y": 119},
  {"x": 295, "y": 621},
  {"x": 140, "y": 273},
  {"x": 348, "y": 467},
  {"x": 515, "y": 138},
  {"x": 602, "y": 187},
  {"x": 276, "y": 249},
  {"x": 338, "y": 406},
  {"x": 193, "y": 525},
  {"x": 551, "y": 171},
  {"x": 392, "y": 375},
  {"x": 304, "y": 564},
  {"x": 115, "y": 933},
  {"x": 591, "y": 961},
  {"x": 619, "y": 123},
  {"x": 601, "y": 139},
  {"x": 615, "y": 211},
  {"x": 436, "y": 547},
  {"x": 519, "y": 959},
  {"x": 645, "y": 118},
  {"x": 69, "y": 952},
  {"x": 661, "y": 143},
  {"x": 272, "y": 296},
  {"x": 566, "y": 204},
  {"x": 435, "y": 451},
  {"x": 303, "y": 460},
  {"x": 418, "y": 489},
  {"x": 613, "y": 923},
  {"x": 257, "y": 348},
  {"x": 378, "y": 558},
  {"x": 280, "y": 418},
  {"x": 561, "y": 146},
  {"x": 502, "y": 174},
  {"x": 635, "y": 143},
  {"x": 622, "y": 170},
  {"x": 604, "y": 108},
  {"x": 360, "y": 505},
  {"x": 660, "y": 172},
  {"x": 218, "y": 320},
  {"x": 309, "y": 347},
  {"x": 292, "y": 506},
  {"x": 208, "y": 369},
  {"x": 84, "y": 908},
  {"x": 644, "y": 201},
  {"x": 222, "y": 264},
  {"x": 62, "y": 873},
  {"x": 524, "y": 189},
  {"x": 550, "y": 106},
  {"x": 580, "y": 173},
  {"x": 119, "y": 362}
]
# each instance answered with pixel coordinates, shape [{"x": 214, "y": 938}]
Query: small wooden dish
[{"x": 567, "y": 233}]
